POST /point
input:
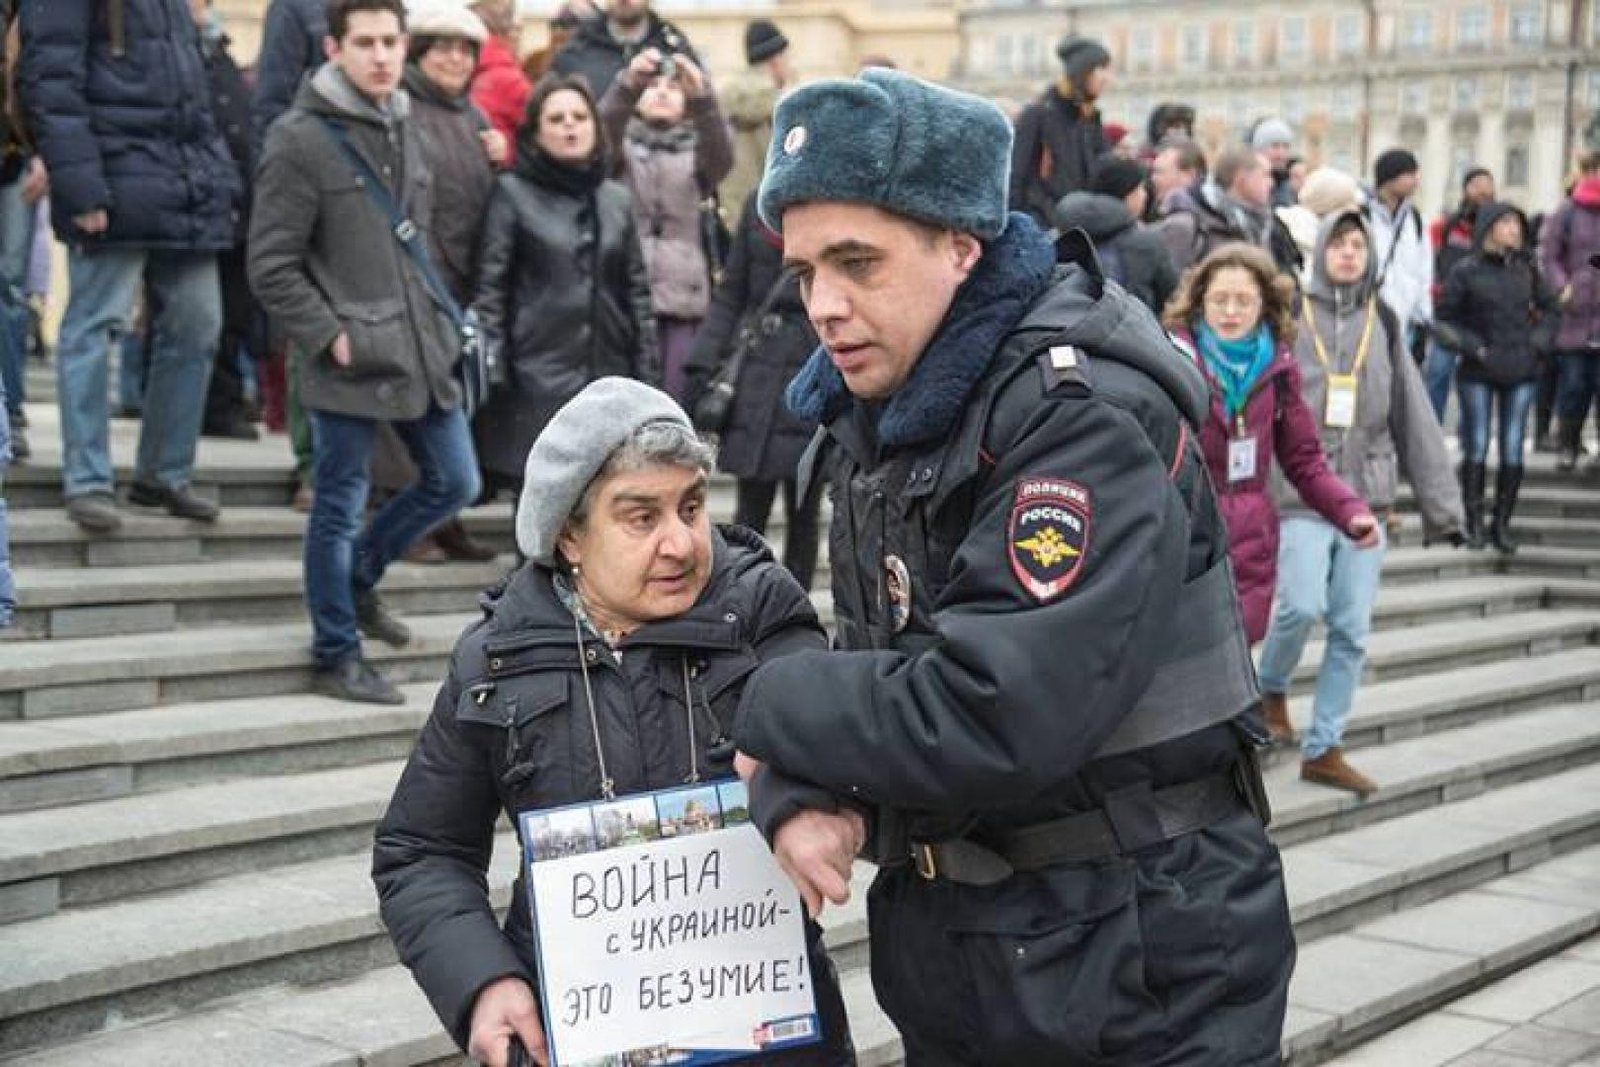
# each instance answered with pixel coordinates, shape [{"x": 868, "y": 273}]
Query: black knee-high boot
[
  {"x": 1472, "y": 475},
  {"x": 1507, "y": 484}
]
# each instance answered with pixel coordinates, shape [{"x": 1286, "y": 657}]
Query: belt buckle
[{"x": 927, "y": 864}]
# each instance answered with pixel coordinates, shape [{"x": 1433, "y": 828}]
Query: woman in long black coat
[
  {"x": 763, "y": 442},
  {"x": 563, "y": 296}
]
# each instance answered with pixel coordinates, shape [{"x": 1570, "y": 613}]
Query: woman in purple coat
[{"x": 1234, "y": 315}]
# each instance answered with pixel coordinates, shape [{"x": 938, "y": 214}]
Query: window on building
[
  {"x": 1516, "y": 172},
  {"x": 1527, "y": 24},
  {"x": 1414, "y": 98},
  {"x": 1294, "y": 106},
  {"x": 1244, "y": 43},
  {"x": 1463, "y": 157},
  {"x": 1416, "y": 31},
  {"x": 1472, "y": 27},
  {"x": 1466, "y": 94},
  {"x": 1004, "y": 61},
  {"x": 1142, "y": 48},
  {"x": 1344, "y": 103},
  {"x": 1594, "y": 90},
  {"x": 1193, "y": 54},
  {"x": 1519, "y": 91},
  {"x": 1292, "y": 43},
  {"x": 1032, "y": 54},
  {"x": 1347, "y": 35}
]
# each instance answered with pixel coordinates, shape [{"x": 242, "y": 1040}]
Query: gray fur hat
[
  {"x": 894, "y": 141},
  {"x": 573, "y": 447}
]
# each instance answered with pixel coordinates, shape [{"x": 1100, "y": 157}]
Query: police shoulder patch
[{"x": 1048, "y": 535}]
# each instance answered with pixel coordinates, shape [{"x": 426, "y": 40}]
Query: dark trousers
[
  {"x": 1545, "y": 405},
  {"x": 225, "y": 393},
  {"x": 1580, "y": 384},
  {"x": 753, "y": 507}
]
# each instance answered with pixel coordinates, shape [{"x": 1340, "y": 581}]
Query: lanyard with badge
[
  {"x": 1241, "y": 452},
  {"x": 1340, "y": 412}
]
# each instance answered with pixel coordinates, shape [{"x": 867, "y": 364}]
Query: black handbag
[
  {"x": 478, "y": 369},
  {"x": 715, "y": 406}
]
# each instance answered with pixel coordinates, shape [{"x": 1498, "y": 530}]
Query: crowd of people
[{"x": 453, "y": 274}]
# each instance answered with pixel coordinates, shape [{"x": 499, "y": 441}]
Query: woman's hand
[
  {"x": 495, "y": 146},
  {"x": 643, "y": 68},
  {"x": 692, "y": 78},
  {"x": 1363, "y": 530},
  {"x": 506, "y": 1008}
]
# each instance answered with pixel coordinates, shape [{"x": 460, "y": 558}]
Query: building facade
[{"x": 1507, "y": 84}]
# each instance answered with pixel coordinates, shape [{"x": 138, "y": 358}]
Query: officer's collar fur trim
[{"x": 1015, "y": 268}]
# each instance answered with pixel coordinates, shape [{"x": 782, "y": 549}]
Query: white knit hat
[{"x": 444, "y": 19}]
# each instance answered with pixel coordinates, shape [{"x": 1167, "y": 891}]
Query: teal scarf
[{"x": 1236, "y": 366}]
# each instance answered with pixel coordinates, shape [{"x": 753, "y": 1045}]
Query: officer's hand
[
  {"x": 1363, "y": 530},
  {"x": 816, "y": 849},
  {"x": 745, "y": 766},
  {"x": 506, "y": 1008}
]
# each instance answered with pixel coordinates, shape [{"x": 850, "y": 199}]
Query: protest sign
[{"x": 667, "y": 933}]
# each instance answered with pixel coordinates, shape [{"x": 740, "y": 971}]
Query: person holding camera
[
  {"x": 755, "y": 339},
  {"x": 672, "y": 147}
]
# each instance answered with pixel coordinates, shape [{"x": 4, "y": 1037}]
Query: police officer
[{"x": 1042, "y": 717}]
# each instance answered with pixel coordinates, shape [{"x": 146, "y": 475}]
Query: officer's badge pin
[
  {"x": 1048, "y": 536},
  {"x": 897, "y": 583},
  {"x": 794, "y": 140},
  {"x": 1064, "y": 357}
]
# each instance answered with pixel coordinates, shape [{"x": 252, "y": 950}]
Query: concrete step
[
  {"x": 1347, "y": 986},
  {"x": 73, "y": 855},
  {"x": 1530, "y": 530},
  {"x": 1440, "y": 646},
  {"x": 45, "y": 537},
  {"x": 1370, "y": 979},
  {"x": 75, "y": 676},
  {"x": 120, "y": 601},
  {"x": 125, "y": 753},
  {"x": 1572, "y": 497},
  {"x": 83, "y": 970},
  {"x": 1546, "y": 1013}
]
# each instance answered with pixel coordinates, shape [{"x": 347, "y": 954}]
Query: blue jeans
[
  {"x": 184, "y": 325},
  {"x": 342, "y": 559},
  {"x": 16, "y": 241},
  {"x": 1513, "y": 402},
  {"x": 1580, "y": 383},
  {"x": 1322, "y": 575},
  {"x": 1438, "y": 370},
  {"x": 8, "y": 593}
]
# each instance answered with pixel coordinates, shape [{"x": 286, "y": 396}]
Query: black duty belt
[{"x": 1131, "y": 819}]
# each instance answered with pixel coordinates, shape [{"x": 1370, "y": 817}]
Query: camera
[{"x": 668, "y": 67}]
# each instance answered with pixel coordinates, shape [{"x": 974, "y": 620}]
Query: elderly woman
[
  {"x": 610, "y": 663},
  {"x": 671, "y": 145}
]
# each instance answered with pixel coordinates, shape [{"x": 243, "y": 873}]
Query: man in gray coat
[{"x": 327, "y": 265}]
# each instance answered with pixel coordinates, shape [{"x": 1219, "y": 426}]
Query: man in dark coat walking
[
  {"x": 143, "y": 191},
  {"x": 601, "y": 48},
  {"x": 291, "y": 48},
  {"x": 1059, "y": 135},
  {"x": 1042, "y": 712},
  {"x": 1109, "y": 212},
  {"x": 327, "y": 265}
]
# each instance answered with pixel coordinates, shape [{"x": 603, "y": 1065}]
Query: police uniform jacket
[
  {"x": 1050, "y": 514},
  {"x": 511, "y": 732}
]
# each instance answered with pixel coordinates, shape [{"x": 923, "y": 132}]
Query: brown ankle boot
[
  {"x": 452, "y": 536},
  {"x": 1275, "y": 707},
  {"x": 1331, "y": 769},
  {"x": 426, "y": 550}
]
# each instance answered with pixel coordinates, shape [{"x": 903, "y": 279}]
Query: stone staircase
[{"x": 185, "y": 832}]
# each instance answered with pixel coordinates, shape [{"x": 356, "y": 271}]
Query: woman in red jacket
[{"x": 1234, "y": 315}]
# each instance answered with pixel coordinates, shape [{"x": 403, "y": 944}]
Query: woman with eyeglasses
[{"x": 1234, "y": 315}]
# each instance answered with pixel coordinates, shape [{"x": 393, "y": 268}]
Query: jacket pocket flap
[
  {"x": 712, "y": 676},
  {"x": 369, "y": 311},
  {"x": 519, "y": 700},
  {"x": 1053, "y": 900}
]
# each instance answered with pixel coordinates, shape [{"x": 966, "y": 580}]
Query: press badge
[
  {"x": 1340, "y": 413},
  {"x": 1241, "y": 459}
]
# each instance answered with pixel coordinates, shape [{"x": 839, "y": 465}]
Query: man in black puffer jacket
[
  {"x": 1042, "y": 703},
  {"x": 143, "y": 190},
  {"x": 1109, "y": 212}
]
